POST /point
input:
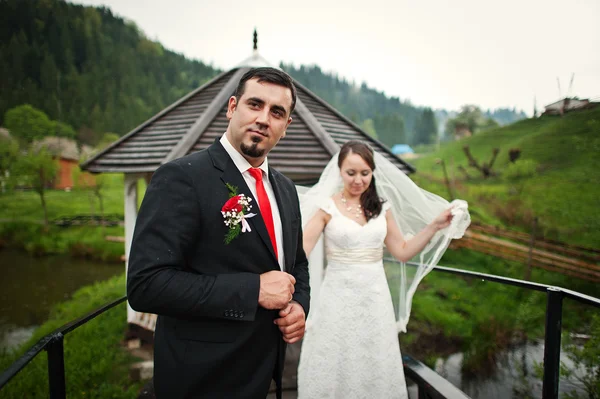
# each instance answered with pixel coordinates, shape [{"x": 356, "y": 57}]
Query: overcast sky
[{"x": 440, "y": 53}]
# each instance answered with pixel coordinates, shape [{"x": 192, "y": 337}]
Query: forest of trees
[
  {"x": 393, "y": 121},
  {"x": 92, "y": 72},
  {"x": 87, "y": 68}
]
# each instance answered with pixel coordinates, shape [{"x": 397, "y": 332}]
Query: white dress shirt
[{"x": 243, "y": 165}]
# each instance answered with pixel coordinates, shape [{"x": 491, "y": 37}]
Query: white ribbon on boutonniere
[{"x": 245, "y": 224}]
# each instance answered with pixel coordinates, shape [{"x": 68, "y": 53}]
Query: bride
[{"x": 351, "y": 349}]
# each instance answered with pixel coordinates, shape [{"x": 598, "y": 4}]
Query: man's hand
[
  {"x": 276, "y": 289},
  {"x": 292, "y": 322}
]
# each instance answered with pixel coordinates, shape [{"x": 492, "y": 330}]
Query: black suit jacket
[{"x": 212, "y": 340}]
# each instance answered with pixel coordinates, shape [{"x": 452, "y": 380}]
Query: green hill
[{"x": 559, "y": 184}]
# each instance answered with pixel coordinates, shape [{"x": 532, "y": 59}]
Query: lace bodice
[{"x": 344, "y": 234}]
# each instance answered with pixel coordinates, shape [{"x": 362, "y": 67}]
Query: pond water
[
  {"x": 31, "y": 285},
  {"x": 513, "y": 375}
]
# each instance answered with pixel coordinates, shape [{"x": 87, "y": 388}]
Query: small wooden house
[{"x": 68, "y": 155}]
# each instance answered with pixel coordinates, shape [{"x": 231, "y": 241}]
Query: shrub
[{"x": 522, "y": 168}]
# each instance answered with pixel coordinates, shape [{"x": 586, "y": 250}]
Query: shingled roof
[{"x": 196, "y": 120}]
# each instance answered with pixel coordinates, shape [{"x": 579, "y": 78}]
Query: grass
[
  {"x": 96, "y": 365},
  {"x": 21, "y": 218}
]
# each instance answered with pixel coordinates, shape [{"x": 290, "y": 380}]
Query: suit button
[{"x": 241, "y": 313}]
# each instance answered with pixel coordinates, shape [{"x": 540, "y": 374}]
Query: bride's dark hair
[{"x": 369, "y": 200}]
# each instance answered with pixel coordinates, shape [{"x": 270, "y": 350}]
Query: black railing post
[
  {"x": 56, "y": 367},
  {"x": 552, "y": 343}
]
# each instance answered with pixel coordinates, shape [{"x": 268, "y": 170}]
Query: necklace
[{"x": 349, "y": 208}]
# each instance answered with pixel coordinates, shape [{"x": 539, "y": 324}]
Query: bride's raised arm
[{"x": 404, "y": 250}]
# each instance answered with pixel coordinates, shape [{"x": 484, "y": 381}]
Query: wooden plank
[
  {"x": 129, "y": 162},
  {"x": 521, "y": 257},
  {"x": 163, "y": 133},
  {"x": 315, "y": 170},
  {"x": 134, "y": 147},
  {"x": 122, "y": 168},
  {"x": 152, "y": 139},
  {"x": 554, "y": 246},
  {"x": 137, "y": 155},
  {"x": 300, "y": 156},
  {"x": 115, "y": 239},
  {"x": 128, "y": 151},
  {"x": 494, "y": 252},
  {"x": 163, "y": 129},
  {"x": 536, "y": 257},
  {"x": 153, "y": 142},
  {"x": 284, "y": 147},
  {"x": 189, "y": 108},
  {"x": 525, "y": 249},
  {"x": 173, "y": 124},
  {"x": 174, "y": 115},
  {"x": 298, "y": 162},
  {"x": 338, "y": 127}
]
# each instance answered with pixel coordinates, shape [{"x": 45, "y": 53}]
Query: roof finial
[{"x": 255, "y": 40}]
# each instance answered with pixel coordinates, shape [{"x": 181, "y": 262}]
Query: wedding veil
[{"x": 412, "y": 207}]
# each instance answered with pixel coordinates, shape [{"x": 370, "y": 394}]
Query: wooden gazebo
[{"x": 193, "y": 123}]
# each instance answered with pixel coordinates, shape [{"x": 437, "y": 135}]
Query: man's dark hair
[{"x": 269, "y": 75}]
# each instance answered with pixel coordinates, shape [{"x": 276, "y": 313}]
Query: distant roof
[
  {"x": 568, "y": 104},
  {"x": 193, "y": 123},
  {"x": 63, "y": 147},
  {"x": 4, "y": 133},
  {"x": 59, "y": 146},
  {"x": 402, "y": 149}
]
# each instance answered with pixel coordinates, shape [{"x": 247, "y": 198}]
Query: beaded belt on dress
[{"x": 354, "y": 256}]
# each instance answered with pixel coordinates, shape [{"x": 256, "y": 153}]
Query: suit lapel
[
  {"x": 284, "y": 214},
  {"x": 232, "y": 175}
]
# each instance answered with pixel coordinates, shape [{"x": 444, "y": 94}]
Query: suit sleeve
[
  {"x": 300, "y": 272},
  {"x": 165, "y": 232}
]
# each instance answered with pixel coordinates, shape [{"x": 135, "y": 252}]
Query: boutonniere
[{"x": 235, "y": 212}]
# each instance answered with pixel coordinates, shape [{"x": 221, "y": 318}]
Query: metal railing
[
  {"x": 552, "y": 336},
  {"x": 53, "y": 344},
  {"x": 430, "y": 384}
]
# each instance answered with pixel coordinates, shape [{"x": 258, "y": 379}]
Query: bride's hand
[{"x": 443, "y": 219}]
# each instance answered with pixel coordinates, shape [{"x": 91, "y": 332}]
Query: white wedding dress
[{"x": 351, "y": 349}]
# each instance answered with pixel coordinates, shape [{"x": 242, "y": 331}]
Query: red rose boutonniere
[{"x": 235, "y": 212}]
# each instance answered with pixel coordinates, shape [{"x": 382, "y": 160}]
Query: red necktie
[{"x": 264, "y": 205}]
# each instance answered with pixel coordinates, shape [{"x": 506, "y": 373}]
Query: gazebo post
[
  {"x": 131, "y": 209},
  {"x": 145, "y": 320}
]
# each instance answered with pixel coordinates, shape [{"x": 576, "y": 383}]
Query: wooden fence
[{"x": 545, "y": 254}]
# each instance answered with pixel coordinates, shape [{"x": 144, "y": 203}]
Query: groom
[{"x": 225, "y": 311}]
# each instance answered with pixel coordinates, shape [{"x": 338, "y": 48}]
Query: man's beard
[{"x": 252, "y": 150}]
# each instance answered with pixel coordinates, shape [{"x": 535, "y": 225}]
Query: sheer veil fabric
[{"x": 412, "y": 207}]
